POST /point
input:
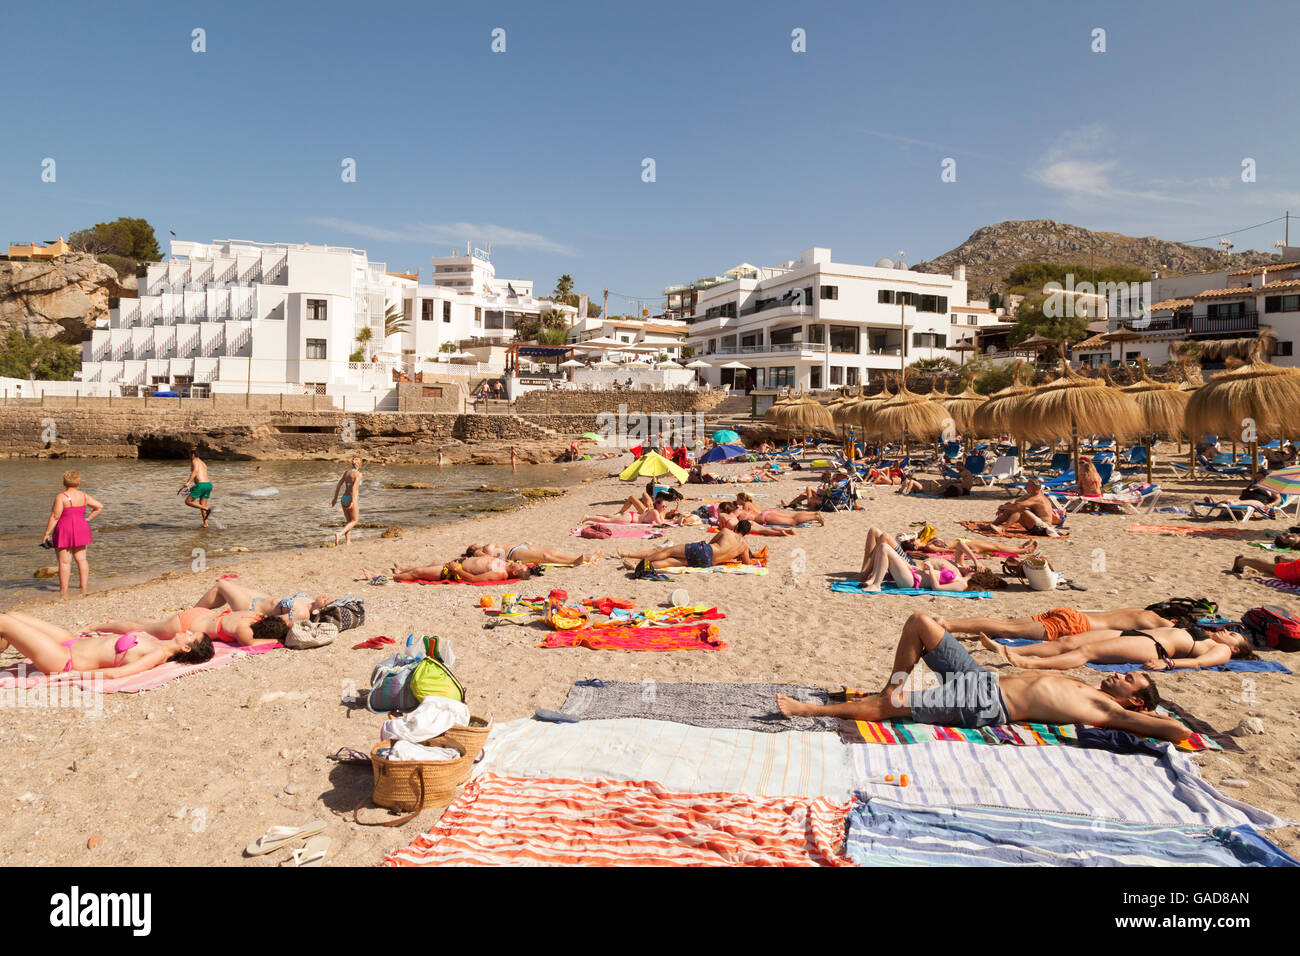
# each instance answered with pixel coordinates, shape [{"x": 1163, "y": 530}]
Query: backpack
[
  {"x": 1185, "y": 610},
  {"x": 432, "y": 678},
  {"x": 1272, "y": 627},
  {"x": 346, "y": 613},
  {"x": 390, "y": 685}
]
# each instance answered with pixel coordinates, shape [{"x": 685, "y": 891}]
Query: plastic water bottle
[{"x": 414, "y": 646}]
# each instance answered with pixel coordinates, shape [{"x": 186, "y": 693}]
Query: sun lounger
[{"x": 1129, "y": 499}]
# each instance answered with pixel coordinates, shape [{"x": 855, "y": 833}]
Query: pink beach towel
[
  {"x": 24, "y": 677},
  {"x": 625, "y": 531}
]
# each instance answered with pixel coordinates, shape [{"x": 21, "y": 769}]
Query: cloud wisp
[{"x": 455, "y": 233}]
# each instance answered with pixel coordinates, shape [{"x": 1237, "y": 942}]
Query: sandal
[
  {"x": 349, "y": 755},
  {"x": 279, "y": 836},
  {"x": 313, "y": 854}
]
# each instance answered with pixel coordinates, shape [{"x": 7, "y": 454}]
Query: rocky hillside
[
  {"x": 59, "y": 298},
  {"x": 993, "y": 251}
]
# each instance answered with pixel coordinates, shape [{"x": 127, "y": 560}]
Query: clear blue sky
[{"x": 760, "y": 152}]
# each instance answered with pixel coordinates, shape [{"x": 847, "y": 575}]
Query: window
[
  {"x": 1283, "y": 348},
  {"x": 1282, "y": 303},
  {"x": 815, "y": 377},
  {"x": 952, "y": 319},
  {"x": 830, "y": 292},
  {"x": 426, "y": 310},
  {"x": 495, "y": 320},
  {"x": 446, "y": 312},
  {"x": 478, "y": 318},
  {"x": 885, "y": 297},
  {"x": 782, "y": 377},
  {"x": 315, "y": 348},
  {"x": 788, "y": 336},
  {"x": 752, "y": 341},
  {"x": 844, "y": 338},
  {"x": 929, "y": 340},
  {"x": 316, "y": 309},
  {"x": 837, "y": 375},
  {"x": 850, "y": 376},
  {"x": 713, "y": 345},
  {"x": 1226, "y": 310},
  {"x": 816, "y": 335}
]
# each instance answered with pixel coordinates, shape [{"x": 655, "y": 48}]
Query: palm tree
[
  {"x": 447, "y": 347},
  {"x": 363, "y": 336},
  {"x": 395, "y": 321},
  {"x": 563, "y": 288}
]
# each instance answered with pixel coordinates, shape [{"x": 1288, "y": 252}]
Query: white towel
[
  {"x": 405, "y": 750},
  {"x": 434, "y": 716}
]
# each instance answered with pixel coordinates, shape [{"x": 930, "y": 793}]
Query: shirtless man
[
  {"x": 293, "y": 607},
  {"x": 973, "y": 696},
  {"x": 479, "y": 568},
  {"x": 1155, "y": 649},
  {"x": 57, "y": 652},
  {"x": 725, "y": 547},
  {"x": 1055, "y": 624},
  {"x": 746, "y": 509},
  {"x": 1030, "y": 513},
  {"x": 963, "y": 484},
  {"x": 245, "y": 628},
  {"x": 198, "y": 487},
  {"x": 529, "y": 555}
]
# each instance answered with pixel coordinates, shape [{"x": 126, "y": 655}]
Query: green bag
[{"x": 432, "y": 678}]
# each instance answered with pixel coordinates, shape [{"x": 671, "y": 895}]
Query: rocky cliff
[
  {"x": 993, "y": 251},
  {"x": 57, "y": 298}
]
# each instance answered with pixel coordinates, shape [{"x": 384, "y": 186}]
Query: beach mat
[
  {"x": 1020, "y": 734},
  {"x": 1093, "y": 783},
  {"x": 1275, "y": 584},
  {"x": 1269, "y": 546},
  {"x": 883, "y": 832},
  {"x": 623, "y": 531},
  {"x": 986, "y": 528},
  {"x": 681, "y": 757},
  {"x": 1185, "y": 529},
  {"x": 853, "y": 587},
  {"x": 23, "y": 677},
  {"x": 731, "y": 706},
  {"x": 717, "y": 569},
  {"x": 700, "y": 636},
  {"x": 509, "y": 821}
]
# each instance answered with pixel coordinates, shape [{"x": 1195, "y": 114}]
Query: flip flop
[
  {"x": 279, "y": 836},
  {"x": 313, "y": 854},
  {"x": 373, "y": 643},
  {"x": 227, "y": 577}
]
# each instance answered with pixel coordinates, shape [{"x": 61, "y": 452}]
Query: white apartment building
[
  {"x": 641, "y": 337},
  {"x": 816, "y": 323},
  {"x": 236, "y": 316}
]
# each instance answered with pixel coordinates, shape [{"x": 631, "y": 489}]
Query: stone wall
[{"x": 565, "y": 401}]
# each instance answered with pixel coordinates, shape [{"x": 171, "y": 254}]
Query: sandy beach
[{"x": 192, "y": 772}]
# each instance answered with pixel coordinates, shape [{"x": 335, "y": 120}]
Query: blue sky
[{"x": 759, "y": 151}]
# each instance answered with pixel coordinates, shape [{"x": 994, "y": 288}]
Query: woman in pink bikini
[
  {"x": 70, "y": 527},
  {"x": 884, "y": 558},
  {"x": 53, "y": 650}
]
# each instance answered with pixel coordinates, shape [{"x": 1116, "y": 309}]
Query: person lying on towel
[
  {"x": 293, "y": 607},
  {"x": 1155, "y": 649},
  {"x": 1057, "y": 623},
  {"x": 52, "y": 650},
  {"x": 725, "y": 547},
  {"x": 481, "y": 568},
  {"x": 973, "y": 696}
]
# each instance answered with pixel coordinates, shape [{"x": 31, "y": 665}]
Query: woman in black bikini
[{"x": 1156, "y": 649}]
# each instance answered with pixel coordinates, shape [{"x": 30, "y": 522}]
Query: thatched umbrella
[
  {"x": 773, "y": 414},
  {"x": 1074, "y": 403},
  {"x": 962, "y": 408},
  {"x": 908, "y": 413},
  {"x": 1256, "y": 400},
  {"x": 839, "y": 408},
  {"x": 801, "y": 416},
  {"x": 864, "y": 410},
  {"x": 1163, "y": 407},
  {"x": 993, "y": 418}
]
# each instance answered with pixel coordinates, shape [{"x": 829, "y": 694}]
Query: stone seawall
[{"x": 33, "y": 431}]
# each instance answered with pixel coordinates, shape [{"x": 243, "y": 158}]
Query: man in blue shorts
[
  {"x": 969, "y": 695},
  {"x": 725, "y": 547}
]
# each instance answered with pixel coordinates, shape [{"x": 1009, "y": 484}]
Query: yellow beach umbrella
[{"x": 652, "y": 465}]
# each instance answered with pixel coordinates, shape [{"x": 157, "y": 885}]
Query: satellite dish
[
  {"x": 901, "y": 265},
  {"x": 885, "y": 263}
]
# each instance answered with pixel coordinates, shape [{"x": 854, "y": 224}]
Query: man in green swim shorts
[{"x": 200, "y": 488}]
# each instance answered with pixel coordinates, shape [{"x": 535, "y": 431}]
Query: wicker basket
[
  {"x": 473, "y": 737},
  {"x": 413, "y": 785}
]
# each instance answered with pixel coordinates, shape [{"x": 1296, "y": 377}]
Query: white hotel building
[
  {"x": 815, "y": 323},
  {"x": 234, "y": 316}
]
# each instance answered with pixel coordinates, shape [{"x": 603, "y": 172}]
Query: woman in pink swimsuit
[
  {"x": 245, "y": 628},
  {"x": 53, "y": 650},
  {"x": 70, "y": 527}
]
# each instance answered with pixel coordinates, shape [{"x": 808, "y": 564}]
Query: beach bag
[
  {"x": 1272, "y": 627},
  {"x": 390, "y": 685},
  {"x": 432, "y": 678},
  {"x": 345, "y": 613},
  {"x": 413, "y": 785},
  {"x": 308, "y": 634},
  {"x": 1185, "y": 610},
  {"x": 1039, "y": 574}
]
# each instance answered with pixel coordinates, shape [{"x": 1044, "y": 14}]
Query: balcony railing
[{"x": 1245, "y": 322}]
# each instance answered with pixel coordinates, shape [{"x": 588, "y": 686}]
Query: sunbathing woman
[
  {"x": 745, "y": 510},
  {"x": 527, "y": 554},
  {"x": 473, "y": 570},
  {"x": 293, "y": 607},
  {"x": 646, "y": 499},
  {"x": 884, "y": 558},
  {"x": 245, "y": 628},
  {"x": 946, "y": 487},
  {"x": 52, "y": 650},
  {"x": 725, "y": 516},
  {"x": 657, "y": 514},
  {"x": 1057, "y": 623},
  {"x": 961, "y": 548},
  {"x": 1155, "y": 649}
]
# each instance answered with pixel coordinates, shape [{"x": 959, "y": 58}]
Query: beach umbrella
[
  {"x": 962, "y": 407},
  {"x": 844, "y": 414},
  {"x": 605, "y": 365},
  {"x": 1285, "y": 481},
  {"x": 864, "y": 411},
  {"x": 572, "y": 363},
  {"x": 1074, "y": 404},
  {"x": 1164, "y": 409},
  {"x": 735, "y": 365},
  {"x": 652, "y": 465},
  {"x": 670, "y": 364},
  {"x": 993, "y": 418},
  {"x": 807, "y": 417},
  {"x": 699, "y": 363},
  {"x": 590, "y": 436},
  {"x": 725, "y": 436},
  {"x": 722, "y": 453},
  {"x": 1258, "y": 401},
  {"x": 909, "y": 414}
]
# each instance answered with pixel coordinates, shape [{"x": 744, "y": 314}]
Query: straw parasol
[
  {"x": 1257, "y": 400},
  {"x": 864, "y": 411},
  {"x": 908, "y": 413},
  {"x": 843, "y": 412},
  {"x": 803, "y": 416},
  {"x": 962, "y": 408},
  {"x": 993, "y": 418},
  {"x": 1072, "y": 404},
  {"x": 1163, "y": 407}
]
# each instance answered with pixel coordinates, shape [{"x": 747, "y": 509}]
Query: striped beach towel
[
  {"x": 683, "y": 758},
  {"x": 508, "y": 821},
  {"x": 884, "y": 832},
  {"x": 717, "y": 569},
  {"x": 1275, "y": 584},
  {"x": 1136, "y": 788}
]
